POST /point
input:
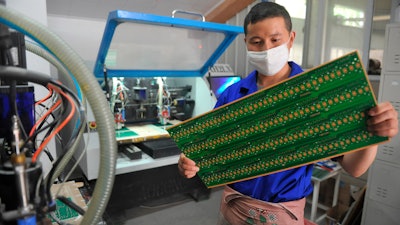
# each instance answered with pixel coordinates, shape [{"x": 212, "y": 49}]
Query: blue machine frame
[{"x": 117, "y": 17}]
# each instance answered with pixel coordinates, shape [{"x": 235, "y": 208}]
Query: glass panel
[
  {"x": 345, "y": 31},
  {"x": 337, "y": 27},
  {"x": 380, "y": 19},
  {"x": 297, "y": 10},
  {"x": 144, "y": 47}
]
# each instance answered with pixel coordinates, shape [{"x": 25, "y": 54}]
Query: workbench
[{"x": 143, "y": 181}]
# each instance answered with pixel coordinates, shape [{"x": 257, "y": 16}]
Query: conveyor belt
[{"x": 316, "y": 115}]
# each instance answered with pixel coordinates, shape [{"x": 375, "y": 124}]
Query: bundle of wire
[
  {"x": 63, "y": 97},
  {"x": 59, "y": 108}
]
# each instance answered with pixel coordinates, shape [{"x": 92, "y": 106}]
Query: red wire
[
  {"x": 45, "y": 116},
  {"x": 62, "y": 125},
  {"x": 45, "y": 98}
]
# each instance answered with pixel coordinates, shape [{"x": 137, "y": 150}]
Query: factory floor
[{"x": 181, "y": 210}]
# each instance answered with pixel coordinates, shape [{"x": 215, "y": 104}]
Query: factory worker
[{"x": 279, "y": 198}]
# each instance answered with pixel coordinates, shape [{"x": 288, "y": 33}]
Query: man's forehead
[
  {"x": 271, "y": 35},
  {"x": 271, "y": 27}
]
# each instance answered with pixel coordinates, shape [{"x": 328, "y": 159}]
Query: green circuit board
[{"x": 316, "y": 115}]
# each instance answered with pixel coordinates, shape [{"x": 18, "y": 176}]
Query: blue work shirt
[{"x": 288, "y": 185}]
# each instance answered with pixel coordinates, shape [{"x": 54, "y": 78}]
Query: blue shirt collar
[{"x": 250, "y": 82}]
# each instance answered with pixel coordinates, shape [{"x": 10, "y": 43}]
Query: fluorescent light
[{"x": 381, "y": 18}]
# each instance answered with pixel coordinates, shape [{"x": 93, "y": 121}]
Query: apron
[{"x": 239, "y": 209}]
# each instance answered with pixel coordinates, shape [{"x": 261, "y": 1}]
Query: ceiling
[
  {"x": 101, "y": 8},
  {"x": 213, "y": 10}
]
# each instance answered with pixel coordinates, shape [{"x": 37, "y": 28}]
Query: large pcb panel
[{"x": 319, "y": 114}]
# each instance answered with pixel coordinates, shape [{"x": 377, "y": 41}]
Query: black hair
[{"x": 265, "y": 10}]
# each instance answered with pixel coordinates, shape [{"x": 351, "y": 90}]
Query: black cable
[
  {"x": 46, "y": 108},
  {"x": 62, "y": 112},
  {"x": 13, "y": 97},
  {"x": 25, "y": 136},
  {"x": 42, "y": 128},
  {"x": 20, "y": 74},
  {"x": 54, "y": 118},
  {"x": 50, "y": 175},
  {"x": 15, "y": 74},
  {"x": 50, "y": 125},
  {"x": 69, "y": 91},
  {"x": 13, "y": 94},
  {"x": 55, "y": 122},
  {"x": 80, "y": 109},
  {"x": 71, "y": 204},
  {"x": 49, "y": 130},
  {"x": 14, "y": 111},
  {"x": 3, "y": 56},
  {"x": 73, "y": 136},
  {"x": 107, "y": 88},
  {"x": 49, "y": 155}
]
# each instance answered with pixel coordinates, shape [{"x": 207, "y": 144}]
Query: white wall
[{"x": 82, "y": 34}]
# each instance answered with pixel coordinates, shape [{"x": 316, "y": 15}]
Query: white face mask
[{"x": 271, "y": 61}]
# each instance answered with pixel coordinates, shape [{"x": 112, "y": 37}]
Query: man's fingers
[
  {"x": 185, "y": 160},
  {"x": 187, "y": 167}
]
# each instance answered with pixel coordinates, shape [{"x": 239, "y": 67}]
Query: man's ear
[{"x": 291, "y": 40}]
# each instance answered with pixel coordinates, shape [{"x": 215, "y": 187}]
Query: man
[{"x": 279, "y": 198}]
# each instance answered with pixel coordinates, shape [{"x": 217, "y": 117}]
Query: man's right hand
[{"x": 187, "y": 167}]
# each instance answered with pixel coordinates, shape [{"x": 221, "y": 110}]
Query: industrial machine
[
  {"x": 140, "y": 84},
  {"x": 147, "y": 71},
  {"x": 27, "y": 125},
  {"x": 153, "y": 82},
  {"x": 22, "y": 192},
  {"x": 150, "y": 100}
]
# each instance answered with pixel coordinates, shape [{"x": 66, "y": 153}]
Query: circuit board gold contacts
[{"x": 319, "y": 114}]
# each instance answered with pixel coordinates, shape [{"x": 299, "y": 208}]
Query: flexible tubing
[
  {"x": 95, "y": 97},
  {"x": 68, "y": 81},
  {"x": 68, "y": 156},
  {"x": 37, "y": 50}
]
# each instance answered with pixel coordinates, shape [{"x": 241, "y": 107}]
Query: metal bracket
[{"x": 189, "y": 13}]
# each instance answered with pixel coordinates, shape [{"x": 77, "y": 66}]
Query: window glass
[
  {"x": 379, "y": 21},
  {"x": 347, "y": 16},
  {"x": 345, "y": 28}
]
